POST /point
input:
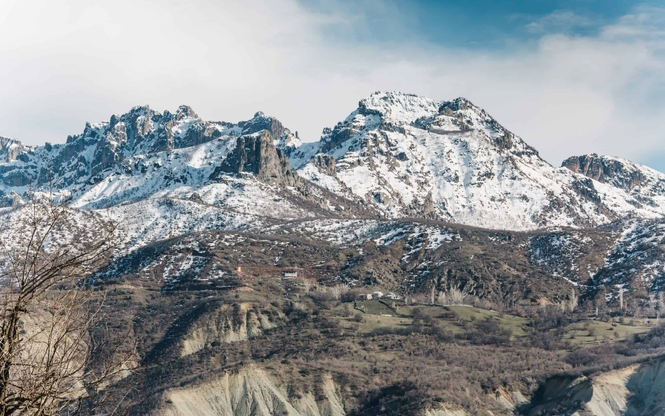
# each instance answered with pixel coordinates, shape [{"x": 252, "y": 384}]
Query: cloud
[
  {"x": 65, "y": 62},
  {"x": 559, "y": 21}
]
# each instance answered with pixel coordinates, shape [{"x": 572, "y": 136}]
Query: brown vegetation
[{"x": 54, "y": 355}]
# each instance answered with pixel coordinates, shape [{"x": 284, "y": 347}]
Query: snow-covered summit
[
  {"x": 396, "y": 107},
  {"x": 411, "y": 156}
]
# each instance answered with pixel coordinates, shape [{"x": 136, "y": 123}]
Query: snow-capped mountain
[
  {"x": 86, "y": 158},
  {"x": 167, "y": 174},
  {"x": 410, "y": 156},
  {"x": 397, "y": 155},
  {"x": 396, "y": 158}
]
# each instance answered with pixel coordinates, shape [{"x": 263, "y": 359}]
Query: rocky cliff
[{"x": 636, "y": 390}]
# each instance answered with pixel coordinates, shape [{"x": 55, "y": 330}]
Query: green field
[
  {"x": 594, "y": 331},
  {"x": 456, "y": 319},
  {"x": 459, "y": 319},
  {"x": 374, "y": 307}
]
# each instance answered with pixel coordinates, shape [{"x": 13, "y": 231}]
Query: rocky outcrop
[
  {"x": 10, "y": 149},
  {"x": 619, "y": 173},
  {"x": 325, "y": 163},
  {"x": 262, "y": 122},
  {"x": 443, "y": 411},
  {"x": 230, "y": 323},
  {"x": 258, "y": 155}
]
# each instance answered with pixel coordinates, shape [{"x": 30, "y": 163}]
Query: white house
[
  {"x": 392, "y": 296},
  {"x": 377, "y": 295}
]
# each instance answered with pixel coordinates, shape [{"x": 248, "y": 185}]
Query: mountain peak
[
  {"x": 10, "y": 149},
  {"x": 463, "y": 107},
  {"x": 185, "y": 111},
  {"x": 141, "y": 110},
  {"x": 459, "y": 104},
  {"x": 397, "y": 107},
  {"x": 261, "y": 121},
  {"x": 620, "y": 173},
  {"x": 402, "y": 108}
]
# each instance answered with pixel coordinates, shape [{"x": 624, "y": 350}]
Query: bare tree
[
  {"x": 54, "y": 357},
  {"x": 621, "y": 298},
  {"x": 330, "y": 292},
  {"x": 306, "y": 285},
  {"x": 338, "y": 290},
  {"x": 573, "y": 301},
  {"x": 452, "y": 296}
]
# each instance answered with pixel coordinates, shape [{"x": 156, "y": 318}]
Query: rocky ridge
[{"x": 397, "y": 155}]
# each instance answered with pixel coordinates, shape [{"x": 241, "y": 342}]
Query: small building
[
  {"x": 364, "y": 296},
  {"x": 290, "y": 274},
  {"x": 391, "y": 295},
  {"x": 377, "y": 295}
]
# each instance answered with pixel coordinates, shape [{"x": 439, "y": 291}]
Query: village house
[
  {"x": 377, "y": 295},
  {"x": 364, "y": 296}
]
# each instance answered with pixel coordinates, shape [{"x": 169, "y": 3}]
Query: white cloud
[
  {"x": 559, "y": 20},
  {"x": 64, "y": 62}
]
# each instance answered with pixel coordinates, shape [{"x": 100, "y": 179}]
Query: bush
[{"x": 346, "y": 311}]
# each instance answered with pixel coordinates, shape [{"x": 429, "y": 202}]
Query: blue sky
[
  {"x": 569, "y": 76},
  {"x": 471, "y": 24}
]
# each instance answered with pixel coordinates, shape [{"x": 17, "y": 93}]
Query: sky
[{"x": 569, "y": 76}]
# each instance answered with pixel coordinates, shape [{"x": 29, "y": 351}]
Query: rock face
[
  {"x": 230, "y": 324},
  {"x": 253, "y": 392},
  {"x": 607, "y": 170},
  {"x": 257, "y": 154}
]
